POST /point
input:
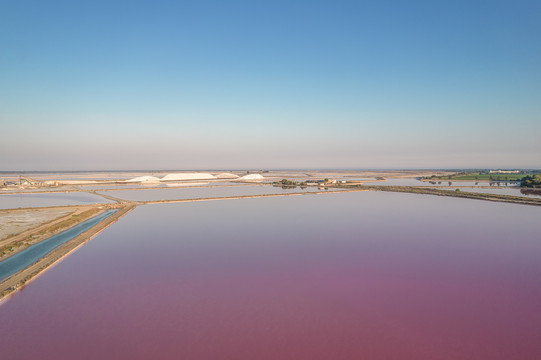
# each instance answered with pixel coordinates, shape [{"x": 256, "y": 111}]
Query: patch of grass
[{"x": 6, "y": 249}]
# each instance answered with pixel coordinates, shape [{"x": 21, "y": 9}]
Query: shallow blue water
[{"x": 35, "y": 252}]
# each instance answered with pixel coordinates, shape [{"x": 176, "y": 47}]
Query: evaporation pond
[
  {"x": 13, "y": 201},
  {"x": 359, "y": 275},
  {"x": 203, "y": 192}
]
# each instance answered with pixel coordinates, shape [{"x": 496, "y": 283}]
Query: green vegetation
[
  {"x": 495, "y": 177},
  {"x": 286, "y": 182},
  {"x": 532, "y": 181},
  {"x": 289, "y": 184},
  {"x": 6, "y": 249},
  {"x": 481, "y": 175},
  {"x": 531, "y": 191}
]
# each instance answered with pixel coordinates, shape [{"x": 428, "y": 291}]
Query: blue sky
[{"x": 269, "y": 84}]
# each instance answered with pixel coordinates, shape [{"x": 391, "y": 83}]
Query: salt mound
[
  {"x": 186, "y": 184},
  {"x": 226, "y": 176},
  {"x": 188, "y": 176},
  {"x": 147, "y": 179},
  {"x": 252, "y": 177}
]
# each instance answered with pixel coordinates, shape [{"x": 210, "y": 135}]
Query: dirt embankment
[
  {"x": 334, "y": 191},
  {"x": 19, "y": 279},
  {"x": 43, "y": 224},
  {"x": 17, "y": 242},
  {"x": 459, "y": 194}
]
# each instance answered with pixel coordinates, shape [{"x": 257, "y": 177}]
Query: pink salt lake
[{"x": 337, "y": 276}]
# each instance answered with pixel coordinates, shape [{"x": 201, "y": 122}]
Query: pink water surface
[{"x": 335, "y": 276}]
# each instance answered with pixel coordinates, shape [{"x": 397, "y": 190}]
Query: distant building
[{"x": 504, "y": 171}]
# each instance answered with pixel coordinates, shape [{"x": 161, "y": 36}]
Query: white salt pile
[
  {"x": 252, "y": 177},
  {"x": 145, "y": 179},
  {"x": 186, "y": 184},
  {"x": 187, "y": 176},
  {"x": 226, "y": 176}
]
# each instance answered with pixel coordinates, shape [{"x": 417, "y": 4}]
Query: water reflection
[{"x": 536, "y": 192}]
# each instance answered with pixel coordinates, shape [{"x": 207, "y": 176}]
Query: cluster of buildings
[
  {"x": 21, "y": 183},
  {"x": 504, "y": 171}
]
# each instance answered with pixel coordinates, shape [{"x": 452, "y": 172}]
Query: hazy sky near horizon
[{"x": 269, "y": 84}]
